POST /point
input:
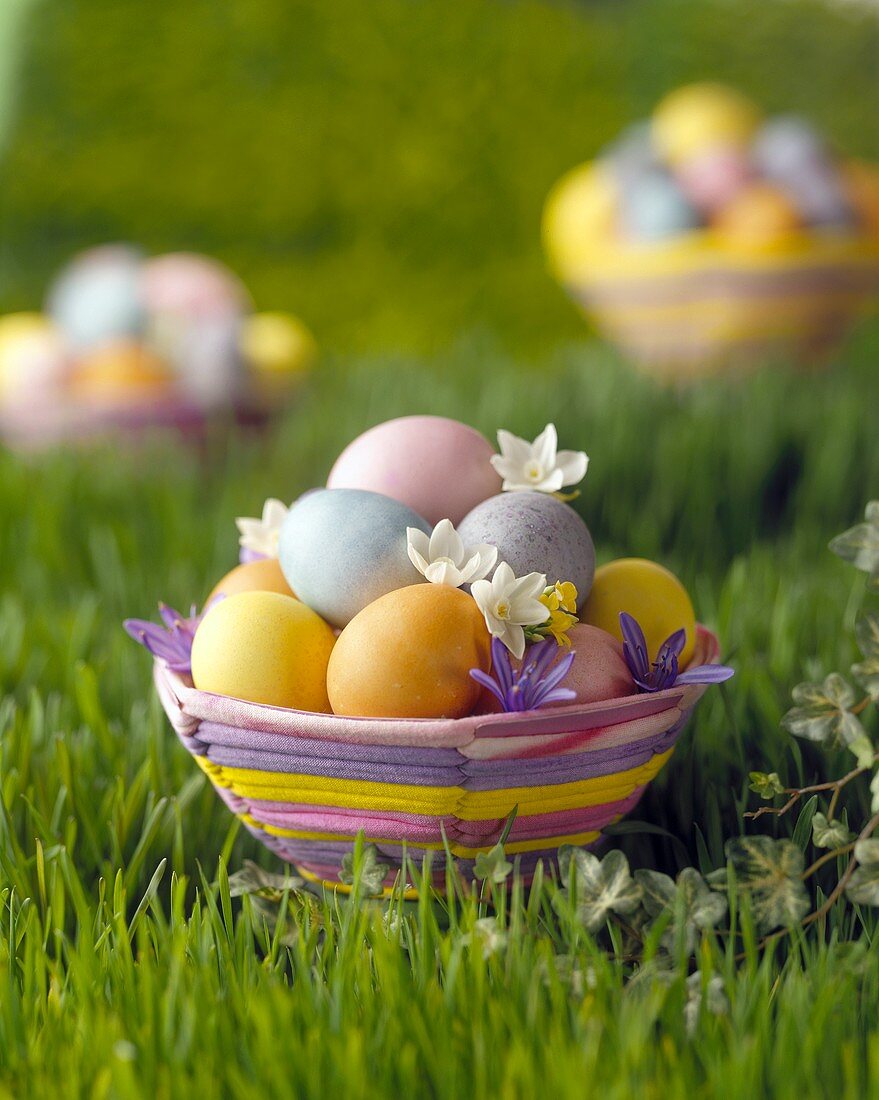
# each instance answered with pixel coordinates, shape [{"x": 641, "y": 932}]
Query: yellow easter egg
[
  {"x": 266, "y": 648},
  {"x": 696, "y": 117},
  {"x": 277, "y": 343},
  {"x": 650, "y": 594},
  {"x": 408, "y": 655},
  {"x": 579, "y": 214},
  {"x": 32, "y": 354},
  {"x": 262, "y": 575}
]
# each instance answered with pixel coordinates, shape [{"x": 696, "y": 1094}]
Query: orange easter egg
[
  {"x": 760, "y": 216},
  {"x": 408, "y": 655},
  {"x": 262, "y": 575},
  {"x": 123, "y": 370},
  {"x": 861, "y": 182}
]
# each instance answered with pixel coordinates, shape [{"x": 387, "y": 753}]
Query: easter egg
[
  {"x": 761, "y": 216},
  {"x": 438, "y": 467},
  {"x": 649, "y": 593},
  {"x": 97, "y": 297},
  {"x": 599, "y": 670},
  {"x": 712, "y": 178},
  {"x": 632, "y": 155},
  {"x": 124, "y": 371},
  {"x": 32, "y": 356},
  {"x": 341, "y": 549},
  {"x": 861, "y": 182},
  {"x": 408, "y": 655},
  {"x": 266, "y": 648},
  {"x": 195, "y": 308},
  {"x": 693, "y": 118},
  {"x": 579, "y": 215},
  {"x": 656, "y": 207},
  {"x": 534, "y": 533},
  {"x": 260, "y": 575},
  {"x": 277, "y": 345},
  {"x": 786, "y": 147}
]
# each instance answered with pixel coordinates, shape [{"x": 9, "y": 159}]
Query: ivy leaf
[
  {"x": 690, "y": 899},
  {"x": 874, "y": 791},
  {"x": 769, "y": 870},
  {"x": 866, "y": 672},
  {"x": 493, "y": 865},
  {"x": 252, "y": 879},
  {"x": 704, "y": 996},
  {"x": 860, "y": 544},
  {"x": 863, "y": 886},
  {"x": 822, "y": 713},
  {"x": 603, "y": 886},
  {"x": 488, "y": 936},
  {"x": 864, "y": 750},
  {"x": 766, "y": 785},
  {"x": 830, "y": 834},
  {"x": 367, "y": 873}
]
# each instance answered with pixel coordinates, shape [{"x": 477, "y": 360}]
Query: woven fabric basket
[
  {"x": 307, "y": 784},
  {"x": 698, "y": 306}
]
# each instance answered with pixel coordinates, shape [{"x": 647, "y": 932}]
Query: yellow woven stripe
[
  {"x": 533, "y": 845},
  {"x": 706, "y": 251},
  {"x": 467, "y": 805}
]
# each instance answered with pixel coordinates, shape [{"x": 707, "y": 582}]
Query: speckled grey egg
[
  {"x": 340, "y": 549},
  {"x": 534, "y": 532}
]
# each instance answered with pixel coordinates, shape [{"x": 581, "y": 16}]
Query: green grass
[{"x": 125, "y": 967}]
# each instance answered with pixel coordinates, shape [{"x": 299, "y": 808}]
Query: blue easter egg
[
  {"x": 534, "y": 533},
  {"x": 97, "y": 298},
  {"x": 341, "y": 549},
  {"x": 656, "y": 207},
  {"x": 632, "y": 156}
]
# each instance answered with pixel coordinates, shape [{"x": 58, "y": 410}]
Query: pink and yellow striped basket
[{"x": 307, "y": 785}]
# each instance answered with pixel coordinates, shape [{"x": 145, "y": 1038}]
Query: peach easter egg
[
  {"x": 647, "y": 591},
  {"x": 438, "y": 467},
  {"x": 599, "y": 670},
  {"x": 408, "y": 655},
  {"x": 266, "y": 648},
  {"x": 262, "y": 575}
]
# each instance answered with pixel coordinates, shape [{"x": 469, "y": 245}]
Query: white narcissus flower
[
  {"x": 539, "y": 466},
  {"x": 260, "y": 536},
  {"x": 443, "y": 558},
  {"x": 510, "y": 603}
]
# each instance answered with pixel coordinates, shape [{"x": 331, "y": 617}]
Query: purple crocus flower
[
  {"x": 532, "y": 685},
  {"x": 173, "y": 642},
  {"x": 663, "y": 672}
]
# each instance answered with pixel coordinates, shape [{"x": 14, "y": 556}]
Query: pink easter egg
[
  {"x": 713, "y": 177},
  {"x": 185, "y": 283},
  {"x": 599, "y": 671},
  {"x": 439, "y": 468}
]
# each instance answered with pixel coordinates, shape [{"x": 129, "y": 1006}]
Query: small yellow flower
[{"x": 560, "y": 599}]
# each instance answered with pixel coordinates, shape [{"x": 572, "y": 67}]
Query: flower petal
[
  {"x": 545, "y": 446},
  {"x": 706, "y": 674},
  {"x": 634, "y": 647},
  {"x": 514, "y": 448},
  {"x": 442, "y": 572},
  {"x": 445, "y": 542},
  {"x": 572, "y": 465}
]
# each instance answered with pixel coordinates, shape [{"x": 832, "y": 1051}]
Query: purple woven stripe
[
  {"x": 213, "y": 733},
  {"x": 473, "y": 775},
  {"x": 335, "y": 768}
]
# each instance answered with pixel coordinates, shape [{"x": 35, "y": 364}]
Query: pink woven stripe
[{"x": 429, "y": 830}]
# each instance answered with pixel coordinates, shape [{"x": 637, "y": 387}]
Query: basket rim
[{"x": 191, "y": 707}]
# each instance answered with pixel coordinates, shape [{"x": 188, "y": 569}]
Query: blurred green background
[{"x": 379, "y": 168}]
